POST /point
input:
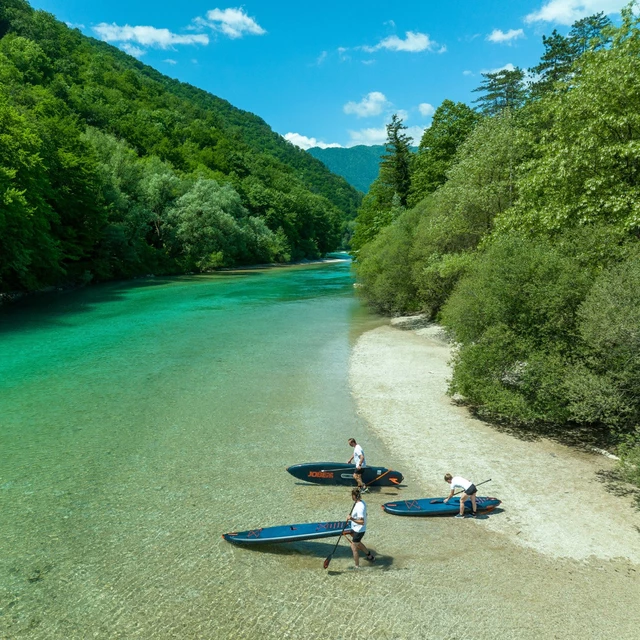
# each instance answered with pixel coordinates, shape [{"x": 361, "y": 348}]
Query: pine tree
[
  {"x": 590, "y": 33},
  {"x": 395, "y": 164},
  {"x": 504, "y": 89},
  {"x": 555, "y": 64}
]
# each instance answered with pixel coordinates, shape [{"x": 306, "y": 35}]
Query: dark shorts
[
  {"x": 471, "y": 490},
  {"x": 357, "y": 472},
  {"x": 358, "y": 536}
]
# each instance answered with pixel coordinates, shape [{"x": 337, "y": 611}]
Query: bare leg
[
  {"x": 463, "y": 497},
  {"x": 358, "y": 478},
  {"x": 473, "y": 503},
  {"x": 354, "y": 550}
]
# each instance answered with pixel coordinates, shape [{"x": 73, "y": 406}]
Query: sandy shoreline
[{"x": 553, "y": 500}]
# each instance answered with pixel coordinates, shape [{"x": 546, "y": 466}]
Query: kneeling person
[
  {"x": 358, "y": 519},
  {"x": 468, "y": 491}
]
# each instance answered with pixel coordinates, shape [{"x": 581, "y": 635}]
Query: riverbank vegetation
[
  {"x": 521, "y": 237},
  {"x": 109, "y": 169}
]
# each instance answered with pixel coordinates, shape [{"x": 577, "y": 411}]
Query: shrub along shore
[{"x": 517, "y": 228}]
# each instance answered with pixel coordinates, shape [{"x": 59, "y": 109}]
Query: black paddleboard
[{"x": 342, "y": 473}]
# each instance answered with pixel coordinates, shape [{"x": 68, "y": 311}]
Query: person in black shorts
[
  {"x": 358, "y": 519},
  {"x": 468, "y": 491}
]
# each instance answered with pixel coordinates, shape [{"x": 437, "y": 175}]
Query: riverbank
[
  {"x": 12, "y": 297},
  {"x": 553, "y": 497}
]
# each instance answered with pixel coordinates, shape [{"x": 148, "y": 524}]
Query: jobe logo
[{"x": 320, "y": 474}]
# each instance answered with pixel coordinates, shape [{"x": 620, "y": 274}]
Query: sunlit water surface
[{"x": 140, "y": 421}]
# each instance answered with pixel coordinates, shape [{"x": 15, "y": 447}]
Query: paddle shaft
[
  {"x": 461, "y": 491},
  {"x": 327, "y": 560}
]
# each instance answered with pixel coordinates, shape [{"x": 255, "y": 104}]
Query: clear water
[{"x": 139, "y": 422}]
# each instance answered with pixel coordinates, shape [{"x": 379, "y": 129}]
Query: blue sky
[{"x": 330, "y": 73}]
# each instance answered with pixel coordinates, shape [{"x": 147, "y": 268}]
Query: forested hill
[
  {"x": 109, "y": 169},
  {"x": 358, "y": 165}
]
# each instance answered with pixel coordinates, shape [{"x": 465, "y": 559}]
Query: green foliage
[
  {"x": 604, "y": 387},
  {"x": 384, "y": 267},
  {"x": 629, "y": 452},
  {"x": 451, "y": 125},
  {"x": 97, "y": 148},
  {"x": 529, "y": 250},
  {"x": 388, "y": 194},
  {"x": 586, "y": 167},
  {"x": 504, "y": 89},
  {"x": 514, "y": 315}
]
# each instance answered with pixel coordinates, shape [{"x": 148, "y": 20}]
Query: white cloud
[
  {"x": 426, "y": 109},
  {"x": 500, "y": 36},
  {"x": 403, "y": 114},
  {"x": 75, "y": 25},
  {"x": 146, "y": 36},
  {"x": 414, "y": 42},
  {"x": 368, "y": 62},
  {"x": 371, "y": 105},
  {"x": 568, "y": 11},
  {"x": 442, "y": 49},
  {"x": 507, "y": 67},
  {"x": 306, "y": 143},
  {"x": 375, "y": 135},
  {"x": 132, "y": 50},
  {"x": 170, "y": 61},
  {"x": 466, "y": 72},
  {"x": 369, "y": 136},
  {"x": 234, "y": 23},
  {"x": 321, "y": 58}
]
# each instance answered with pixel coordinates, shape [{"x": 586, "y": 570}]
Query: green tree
[
  {"x": 502, "y": 90},
  {"x": 555, "y": 64},
  {"x": 452, "y": 123},
  {"x": 590, "y": 33},
  {"x": 389, "y": 193},
  {"x": 395, "y": 164},
  {"x": 586, "y": 166}
]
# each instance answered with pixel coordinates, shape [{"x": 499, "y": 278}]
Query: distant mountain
[{"x": 357, "y": 165}]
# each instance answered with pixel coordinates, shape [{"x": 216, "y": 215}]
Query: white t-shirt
[
  {"x": 460, "y": 482},
  {"x": 359, "y": 511},
  {"x": 358, "y": 456}
]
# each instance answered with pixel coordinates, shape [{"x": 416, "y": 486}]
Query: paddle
[
  {"x": 441, "y": 500},
  {"x": 327, "y": 560}
]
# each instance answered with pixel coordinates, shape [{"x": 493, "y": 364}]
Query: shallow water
[{"x": 141, "y": 421}]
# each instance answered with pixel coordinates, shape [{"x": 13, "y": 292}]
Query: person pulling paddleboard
[
  {"x": 358, "y": 519},
  {"x": 359, "y": 461},
  {"x": 468, "y": 491}
]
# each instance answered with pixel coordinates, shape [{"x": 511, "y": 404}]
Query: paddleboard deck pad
[
  {"x": 437, "y": 507},
  {"x": 288, "y": 533},
  {"x": 342, "y": 473}
]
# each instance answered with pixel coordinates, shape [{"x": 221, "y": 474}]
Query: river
[{"x": 140, "y": 421}]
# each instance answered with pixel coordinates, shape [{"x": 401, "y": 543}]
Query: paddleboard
[
  {"x": 287, "y": 533},
  {"x": 342, "y": 473},
  {"x": 437, "y": 507}
]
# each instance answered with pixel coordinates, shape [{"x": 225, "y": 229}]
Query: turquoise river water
[{"x": 140, "y": 421}]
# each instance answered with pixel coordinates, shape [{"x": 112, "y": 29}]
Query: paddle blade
[{"x": 327, "y": 560}]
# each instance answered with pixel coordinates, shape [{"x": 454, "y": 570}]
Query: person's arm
[
  {"x": 356, "y": 520},
  {"x": 449, "y": 496},
  {"x": 349, "y": 460}
]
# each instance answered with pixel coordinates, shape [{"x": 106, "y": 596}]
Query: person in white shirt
[
  {"x": 358, "y": 519},
  {"x": 359, "y": 461},
  {"x": 468, "y": 491}
]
